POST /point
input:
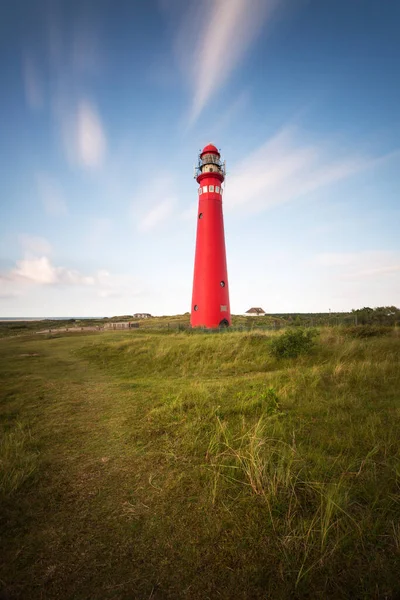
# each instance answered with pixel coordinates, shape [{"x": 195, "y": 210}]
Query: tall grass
[
  {"x": 191, "y": 466},
  {"x": 264, "y": 464},
  {"x": 18, "y": 460}
]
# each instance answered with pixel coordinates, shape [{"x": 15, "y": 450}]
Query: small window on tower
[
  {"x": 196, "y": 307},
  {"x": 217, "y": 189},
  {"x": 204, "y": 189},
  {"x": 211, "y": 188},
  {"x": 222, "y": 284},
  {"x": 200, "y": 215},
  {"x": 199, "y": 191}
]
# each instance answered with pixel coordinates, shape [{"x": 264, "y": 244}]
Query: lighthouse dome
[{"x": 209, "y": 149}]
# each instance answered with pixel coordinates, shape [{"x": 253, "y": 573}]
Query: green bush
[
  {"x": 366, "y": 331},
  {"x": 293, "y": 342},
  {"x": 270, "y": 402}
]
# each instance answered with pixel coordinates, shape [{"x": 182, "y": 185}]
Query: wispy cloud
[
  {"x": 231, "y": 113},
  {"x": 51, "y": 195},
  {"x": 287, "y": 167},
  {"x": 90, "y": 142},
  {"x": 357, "y": 266},
  {"x": 348, "y": 280},
  {"x": 157, "y": 215},
  {"x": 164, "y": 186},
  {"x": 72, "y": 57},
  {"x": 33, "y": 84},
  {"x": 214, "y": 37},
  {"x": 81, "y": 131}
]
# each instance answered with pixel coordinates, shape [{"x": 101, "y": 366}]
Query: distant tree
[{"x": 381, "y": 315}]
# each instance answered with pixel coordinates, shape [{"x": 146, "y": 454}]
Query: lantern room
[{"x": 210, "y": 162}]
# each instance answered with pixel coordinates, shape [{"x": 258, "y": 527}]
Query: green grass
[{"x": 145, "y": 465}]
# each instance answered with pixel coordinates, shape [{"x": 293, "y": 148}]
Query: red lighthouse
[{"x": 210, "y": 299}]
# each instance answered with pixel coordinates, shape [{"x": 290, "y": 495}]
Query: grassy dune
[{"x": 151, "y": 465}]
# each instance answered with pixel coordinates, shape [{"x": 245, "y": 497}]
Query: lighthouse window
[
  {"x": 211, "y": 188},
  {"x": 196, "y": 307},
  {"x": 200, "y": 215},
  {"x": 223, "y": 307},
  {"x": 222, "y": 284},
  {"x": 204, "y": 189},
  {"x": 217, "y": 189},
  {"x": 199, "y": 191}
]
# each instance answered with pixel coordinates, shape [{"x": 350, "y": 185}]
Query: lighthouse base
[{"x": 223, "y": 324}]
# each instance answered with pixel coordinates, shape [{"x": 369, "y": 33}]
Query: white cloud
[
  {"x": 34, "y": 245},
  {"x": 90, "y": 138},
  {"x": 213, "y": 39},
  {"x": 40, "y": 270},
  {"x": 157, "y": 215},
  {"x": 287, "y": 167},
  {"x": 51, "y": 195},
  {"x": 82, "y": 132}
]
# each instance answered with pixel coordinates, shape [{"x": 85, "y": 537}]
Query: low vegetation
[
  {"x": 383, "y": 316},
  {"x": 136, "y": 464},
  {"x": 367, "y": 331},
  {"x": 293, "y": 342}
]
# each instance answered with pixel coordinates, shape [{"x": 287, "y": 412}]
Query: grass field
[{"x": 142, "y": 465}]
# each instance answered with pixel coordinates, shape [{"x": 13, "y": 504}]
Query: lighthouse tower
[{"x": 210, "y": 299}]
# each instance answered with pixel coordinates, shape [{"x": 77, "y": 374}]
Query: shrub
[
  {"x": 293, "y": 342},
  {"x": 366, "y": 331},
  {"x": 270, "y": 402}
]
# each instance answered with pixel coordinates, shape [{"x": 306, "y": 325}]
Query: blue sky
[{"x": 105, "y": 106}]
